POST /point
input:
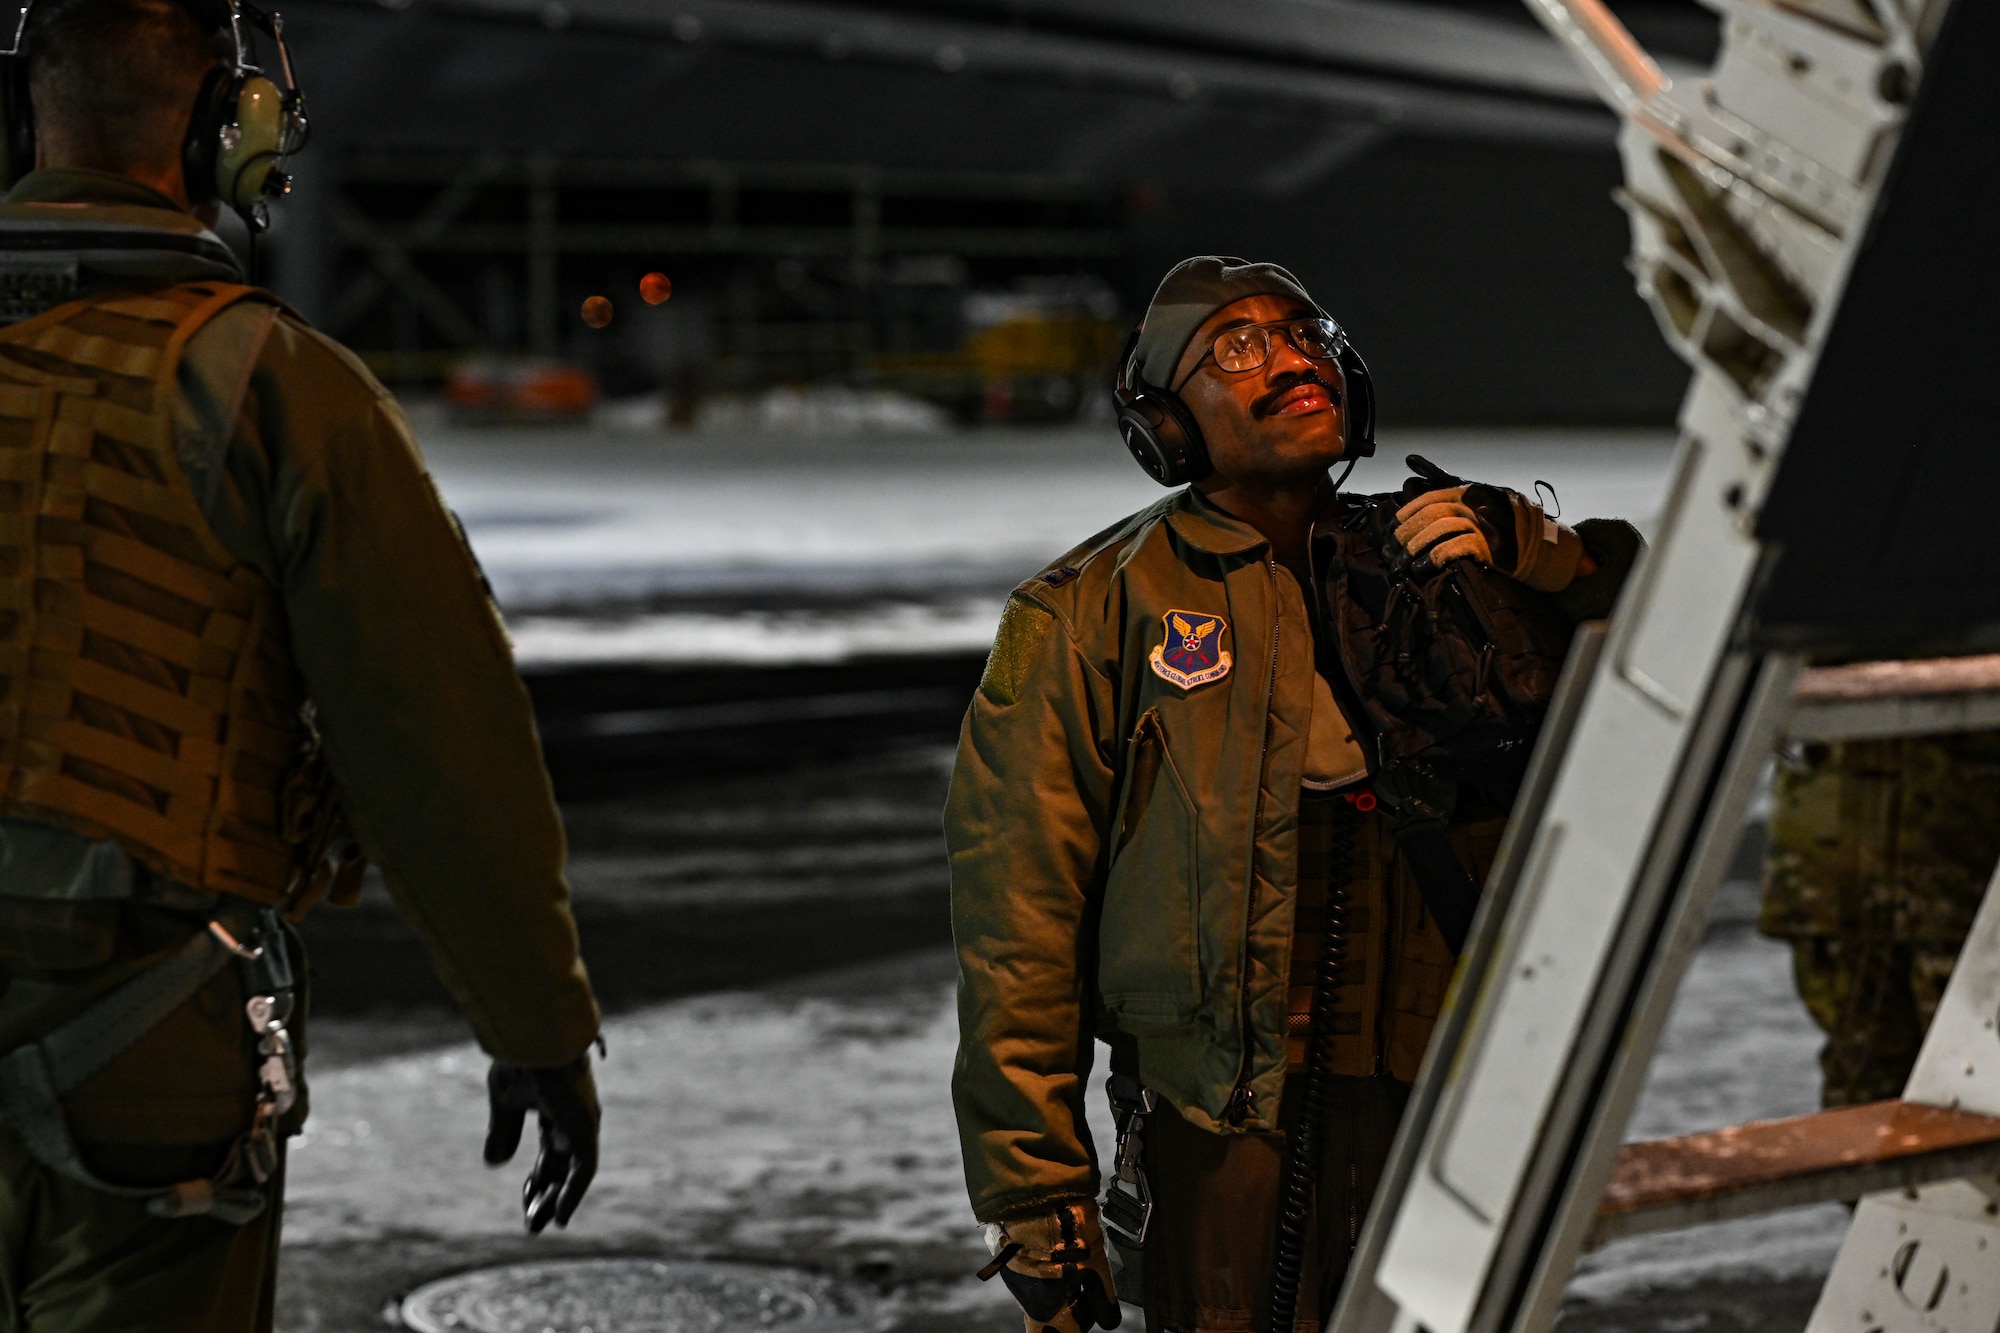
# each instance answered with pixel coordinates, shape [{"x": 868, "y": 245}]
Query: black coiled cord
[{"x": 1308, "y": 1139}]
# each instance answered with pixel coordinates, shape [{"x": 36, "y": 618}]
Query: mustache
[{"x": 1264, "y": 404}]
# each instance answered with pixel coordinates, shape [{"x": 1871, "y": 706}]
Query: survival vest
[
  {"x": 1454, "y": 664},
  {"x": 1452, "y": 668},
  {"x": 147, "y": 689}
]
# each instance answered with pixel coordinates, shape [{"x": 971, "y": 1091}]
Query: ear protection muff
[
  {"x": 1359, "y": 395},
  {"x": 243, "y": 125},
  {"x": 1166, "y": 440},
  {"x": 1157, "y": 426}
]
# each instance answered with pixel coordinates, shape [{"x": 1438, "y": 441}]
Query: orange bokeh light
[
  {"x": 655, "y": 288},
  {"x": 597, "y": 312}
]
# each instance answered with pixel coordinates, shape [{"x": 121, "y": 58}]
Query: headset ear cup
[
  {"x": 253, "y": 142},
  {"x": 1142, "y": 439},
  {"x": 1360, "y": 442},
  {"x": 1157, "y": 427},
  {"x": 214, "y": 107},
  {"x": 1163, "y": 436},
  {"x": 1184, "y": 438}
]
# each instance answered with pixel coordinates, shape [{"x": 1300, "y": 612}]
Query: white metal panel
[
  {"x": 1928, "y": 1264},
  {"x": 1686, "y": 604},
  {"x": 1803, "y": 84},
  {"x": 1959, "y": 1065},
  {"x": 1598, "y": 824}
]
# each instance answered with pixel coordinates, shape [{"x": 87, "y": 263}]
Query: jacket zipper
[{"x": 1242, "y": 1101}]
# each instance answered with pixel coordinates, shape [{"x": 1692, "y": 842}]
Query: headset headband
[{"x": 230, "y": 14}]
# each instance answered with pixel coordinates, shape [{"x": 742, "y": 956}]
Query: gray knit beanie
[{"x": 1194, "y": 290}]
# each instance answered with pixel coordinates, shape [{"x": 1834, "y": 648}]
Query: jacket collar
[
  {"x": 81, "y": 230},
  {"x": 1203, "y": 526},
  {"x": 81, "y": 185}
]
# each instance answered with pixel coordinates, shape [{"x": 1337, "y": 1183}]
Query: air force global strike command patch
[{"x": 1192, "y": 653}]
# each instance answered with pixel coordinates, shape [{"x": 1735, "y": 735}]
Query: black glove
[{"x": 564, "y": 1101}]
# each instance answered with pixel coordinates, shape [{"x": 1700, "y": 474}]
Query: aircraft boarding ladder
[{"x": 1814, "y": 226}]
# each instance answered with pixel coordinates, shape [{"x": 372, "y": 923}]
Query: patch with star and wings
[{"x": 1192, "y": 653}]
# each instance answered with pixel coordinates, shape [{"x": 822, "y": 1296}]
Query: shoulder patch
[
  {"x": 1060, "y": 575},
  {"x": 1190, "y": 653},
  {"x": 1022, "y": 628}
]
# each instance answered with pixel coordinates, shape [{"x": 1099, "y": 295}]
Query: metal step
[
  {"x": 1879, "y": 700},
  {"x": 1833, "y": 1156}
]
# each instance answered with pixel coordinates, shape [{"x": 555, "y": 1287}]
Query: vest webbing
[{"x": 147, "y": 691}]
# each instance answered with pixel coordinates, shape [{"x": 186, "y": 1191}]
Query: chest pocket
[{"x": 1149, "y": 955}]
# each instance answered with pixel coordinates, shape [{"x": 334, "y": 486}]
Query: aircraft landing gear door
[{"x": 1813, "y": 227}]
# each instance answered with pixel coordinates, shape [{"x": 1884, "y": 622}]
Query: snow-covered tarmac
[
  {"x": 689, "y": 549},
  {"x": 809, "y": 1122}
]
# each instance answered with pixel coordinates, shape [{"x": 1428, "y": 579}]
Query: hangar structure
[{"x": 828, "y": 181}]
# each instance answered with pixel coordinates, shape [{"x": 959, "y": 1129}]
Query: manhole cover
[{"x": 633, "y": 1296}]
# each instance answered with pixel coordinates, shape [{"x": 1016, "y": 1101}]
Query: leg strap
[{"x": 36, "y": 1077}]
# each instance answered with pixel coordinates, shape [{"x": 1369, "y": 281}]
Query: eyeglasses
[{"x": 1248, "y": 346}]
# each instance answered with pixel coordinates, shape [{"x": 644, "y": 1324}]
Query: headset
[
  {"x": 1164, "y": 437},
  {"x": 243, "y": 127}
]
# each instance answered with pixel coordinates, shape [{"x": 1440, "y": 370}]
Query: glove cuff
[
  {"x": 1061, "y": 1274},
  {"x": 1047, "y": 1244},
  {"x": 1547, "y": 552}
]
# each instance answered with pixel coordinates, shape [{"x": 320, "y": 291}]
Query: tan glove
[
  {"x": 1494, "y": 526},
  {"x": 1057, "y": 1267},
  {"x": 1442, "y": 526}
]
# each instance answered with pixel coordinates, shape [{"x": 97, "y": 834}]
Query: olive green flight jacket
[
  {"x": 1146, "y": 902},
  {"x": 308, "y": 471}
]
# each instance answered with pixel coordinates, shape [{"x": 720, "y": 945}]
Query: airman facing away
[{"x": 241, "y": 644}]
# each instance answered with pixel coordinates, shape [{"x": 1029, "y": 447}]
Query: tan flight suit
[{"x": 328, "y": 570}]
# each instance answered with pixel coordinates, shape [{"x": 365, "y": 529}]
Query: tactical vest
[{"x": 147, "y": 690}]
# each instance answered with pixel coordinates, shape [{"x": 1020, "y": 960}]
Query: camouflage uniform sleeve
[
  {"x": 1948, "y": 836},
  {"x": 428, "y": 726},
  {"x": 1885, "y": 840},
  {"x": 1823, "y": 834},
  {"x": 1030, "y": 796}
]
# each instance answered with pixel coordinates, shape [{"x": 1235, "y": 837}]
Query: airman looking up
[{"x": 1170, "y": 829}]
